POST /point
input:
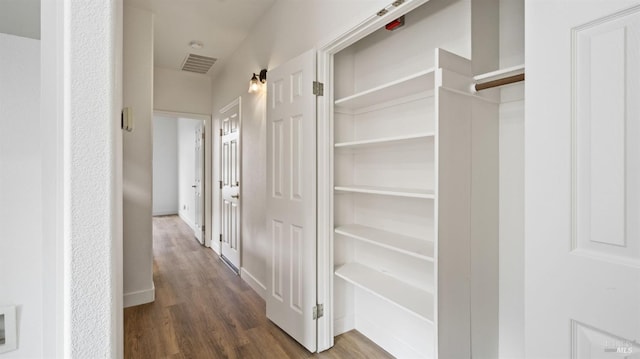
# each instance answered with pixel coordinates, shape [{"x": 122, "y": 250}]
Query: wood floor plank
[{"x": 203, "y": 310}]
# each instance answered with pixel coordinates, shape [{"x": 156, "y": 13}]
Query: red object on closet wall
[{"x": 399, "y": 22}]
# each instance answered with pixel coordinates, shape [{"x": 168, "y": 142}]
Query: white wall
[
  {"x": 21, "y": 240},
  {"x": 20, "y": 18},
  {"x": 137, "y": 167},
  {"x": 165, "y": 166},
  {"x": 186, "y": 168},
  {"x": 181, "y": 91}
]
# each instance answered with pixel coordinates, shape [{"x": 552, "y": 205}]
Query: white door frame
[
  {"x": 199, "y": 197},
  {"x": 326, "y": 51},
  {"x": 235, "y": 102},
  {"x": 206, "y": 119}
]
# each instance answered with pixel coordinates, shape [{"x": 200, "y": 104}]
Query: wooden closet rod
[
  {"x": 498, "y": 78},
  {"x": 499, "y": 82}
]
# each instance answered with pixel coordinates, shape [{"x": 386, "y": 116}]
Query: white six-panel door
[
  {"x": 582, "y": 179},
  {"x": 230, "y": 183},
  {"x": 291, "y": 198}
]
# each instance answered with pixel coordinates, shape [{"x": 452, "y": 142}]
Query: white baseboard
[
  {"x": 343, "y": 325},
  {"x": 187, "y": 220},
  {"x": 385, "y": 339},
  {"x": 255, "y": 284},
  {"x": 140, "y": 297},
  {"x": 215, "y": 245},
  {"x": 169, "y": 212}
]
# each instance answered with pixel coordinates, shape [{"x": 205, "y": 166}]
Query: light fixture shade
[{"x": 254, "y": 84}]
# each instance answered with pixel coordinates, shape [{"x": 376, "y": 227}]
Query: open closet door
[
  {"x": 582, "y": 180},
  {"x": 291, "y": 198}
]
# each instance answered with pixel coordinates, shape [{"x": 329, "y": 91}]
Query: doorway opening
[{"x": 179, "y": 169}]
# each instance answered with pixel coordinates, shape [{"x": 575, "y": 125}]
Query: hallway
[{"x": 203, "y": 310}]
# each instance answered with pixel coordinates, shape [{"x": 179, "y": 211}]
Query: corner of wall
[
  {"x": 254, "y": 283},
  {"x": 140, "y": 297}
]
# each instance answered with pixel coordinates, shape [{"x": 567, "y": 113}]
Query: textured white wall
[
  {"x": 165, "y": 166},
  {"x": 91, "y": 112},
  {"x": 138, "y": 157},
  {"x": 21, "y": 240},
  {"x": 186, "y": 168}
]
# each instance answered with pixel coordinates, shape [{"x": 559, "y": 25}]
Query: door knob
[{"x": 194, "y": 186}]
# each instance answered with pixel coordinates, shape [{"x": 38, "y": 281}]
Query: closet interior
[{"x": 414, "y": 202}]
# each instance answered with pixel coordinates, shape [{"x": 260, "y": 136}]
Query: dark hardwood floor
[{"x": 203, "y": 310}]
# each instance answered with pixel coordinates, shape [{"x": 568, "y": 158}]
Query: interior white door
[
  {"x": 291, "y": 198},
  {"x": 230, "y": 184},
  {"x": 198, "y": 186},
  {"x": 582, "y": 179}
]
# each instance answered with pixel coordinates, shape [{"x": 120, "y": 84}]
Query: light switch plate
[
  {"x": 126, "y": 121},
  {"x": 8, "y": 329}
]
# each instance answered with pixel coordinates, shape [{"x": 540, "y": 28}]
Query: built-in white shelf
[
  {"x": 416, "y": 247},
  {"x": 388, "y": 191},
  {"x": 384, "y": 141},
  {"x": 410, "y": 85},
  {"x": 415, "y": 300}
]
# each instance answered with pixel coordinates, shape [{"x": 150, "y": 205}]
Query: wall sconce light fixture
[{"x": 257, "y": 80}]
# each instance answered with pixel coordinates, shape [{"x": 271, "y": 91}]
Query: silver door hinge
[
  {"x": 318, "y": 311},
  {"x": 318, "y": 88}
]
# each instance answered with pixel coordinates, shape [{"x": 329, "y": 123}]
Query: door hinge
[
  {"x": 220, "y": 132},
  {"x": 220, "y": 184},
  {"x": 203, "y": 227},
  {"x": 318, "y": 311},
  {"x": 318, "y": 88},
  {"x": 203, "y": 135},
  {"x": 220, "y": 237}
]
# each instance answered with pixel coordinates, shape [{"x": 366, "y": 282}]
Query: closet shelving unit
[
  {"x": 402, "y": 223},
  {"x": 408, "y": 196}
]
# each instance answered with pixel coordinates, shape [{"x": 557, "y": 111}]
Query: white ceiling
[{"x": 219, "y": 24}]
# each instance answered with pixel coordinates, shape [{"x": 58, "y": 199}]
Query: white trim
[
  {"x": 215, "y": 246},
  {"x": 255, "y": 284},
  {"x": 237, "y": 101},
  {"x": 52, "y": 73},
  {"x": 187, "y": 220},
  {"x": 325, "y": 158},
  {"x": 140, "y": 297},
  {"x": 174, "y": 114}
]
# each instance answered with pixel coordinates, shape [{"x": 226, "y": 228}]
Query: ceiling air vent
[{"x": 197, "y": 63}]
